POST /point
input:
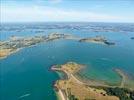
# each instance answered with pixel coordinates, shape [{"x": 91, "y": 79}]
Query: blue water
[{"x": 28, "y": 71}]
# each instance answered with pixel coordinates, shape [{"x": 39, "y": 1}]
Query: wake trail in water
[{"x": 25, "y": 95}]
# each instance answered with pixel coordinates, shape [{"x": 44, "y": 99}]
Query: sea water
[{"x": 26, "y": 75}]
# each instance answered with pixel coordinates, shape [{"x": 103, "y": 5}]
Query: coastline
[
  {"x": 17, "y": 43},
  {"x": 75, "y": 80},
  {"x": 123, "y": 83},
  {"x": 10, "y": 52}
]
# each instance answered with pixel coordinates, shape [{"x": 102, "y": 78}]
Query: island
[
  {"x": 72, "y": 88},
  {"x": 132, "y": 38},
  {"x": 97, "y": 39}
]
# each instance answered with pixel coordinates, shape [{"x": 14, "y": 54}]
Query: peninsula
[
  {"x": 71, "y": 88},
  {"x": 16, "y": 43}
]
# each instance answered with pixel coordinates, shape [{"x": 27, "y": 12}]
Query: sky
[{"x": 67, "y": 11}]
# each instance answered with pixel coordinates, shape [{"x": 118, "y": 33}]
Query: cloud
[{"x": 40, "y": 13}]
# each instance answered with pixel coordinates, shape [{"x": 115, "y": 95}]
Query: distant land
[{"x": 16, "y": 43}]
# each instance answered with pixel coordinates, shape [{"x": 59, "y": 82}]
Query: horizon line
[{"x": 65, "y": 22}]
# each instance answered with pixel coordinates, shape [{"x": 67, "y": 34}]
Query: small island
[
  {"x": 132, "y": 38},
  {"x": 97, "y": 39},
  {"x": 72, "y": 88}
]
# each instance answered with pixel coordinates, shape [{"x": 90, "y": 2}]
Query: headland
[{"x": 72, "y": 88}]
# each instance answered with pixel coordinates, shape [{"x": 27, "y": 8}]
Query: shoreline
[
  {"x": 18, "y": 43},
  {"x": 72, "y": 78},
  {"x": 10, "y": 52},
  {"x": 91, "y": 82}
]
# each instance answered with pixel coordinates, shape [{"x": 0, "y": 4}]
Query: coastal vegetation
[
  {"x": 122, "y": 93},
  {"x": 97, "y": 39},
  {"x": 72, "y": 88},
  {"x": 75, "y": 89},
  {"x": 16, "y": 43}
]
